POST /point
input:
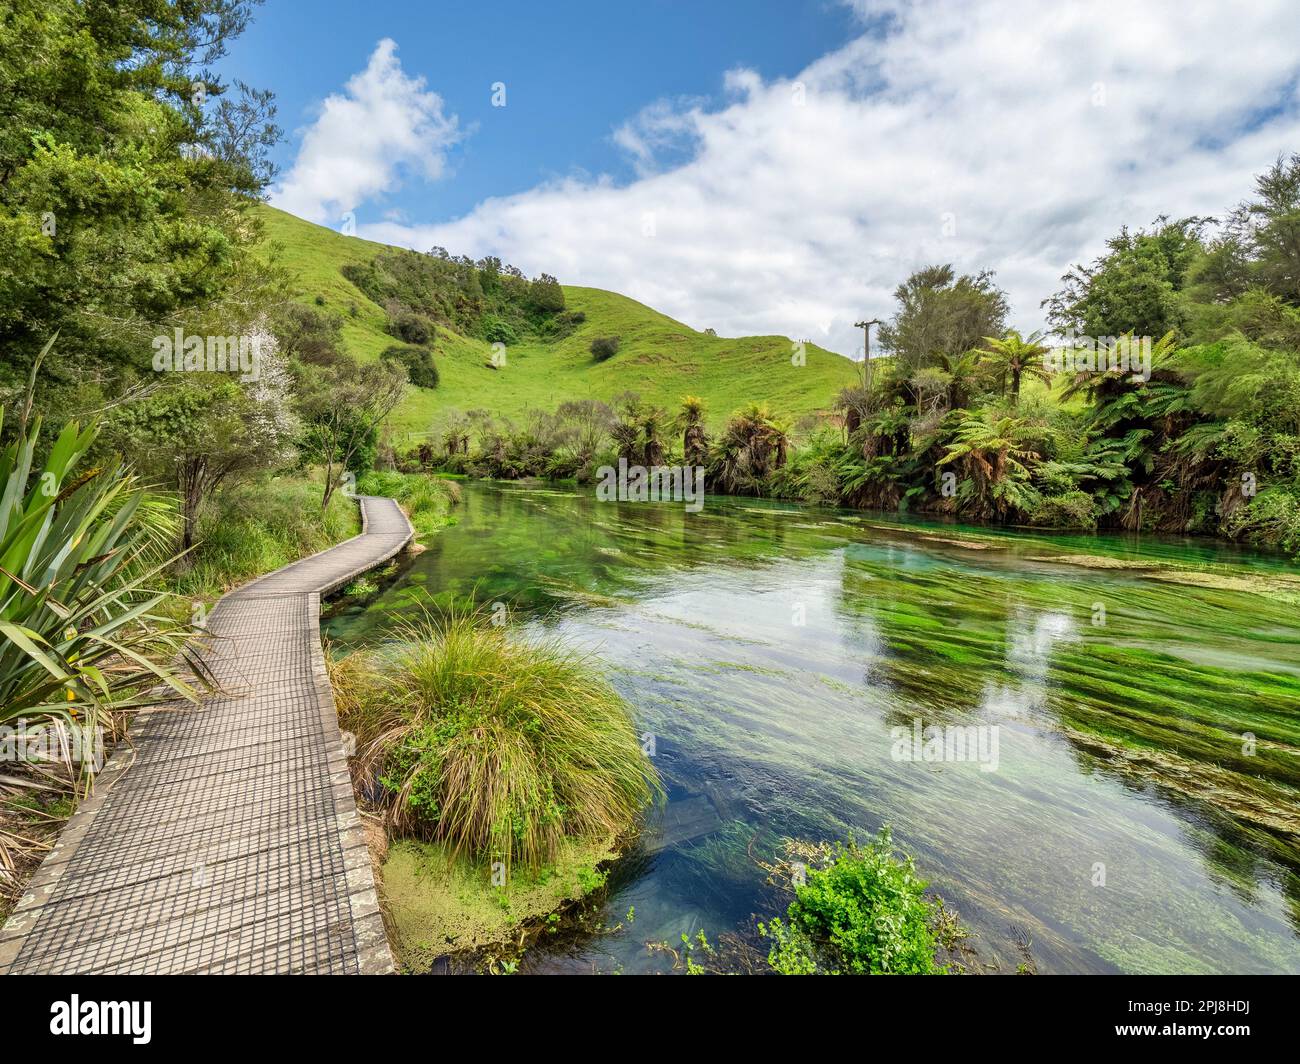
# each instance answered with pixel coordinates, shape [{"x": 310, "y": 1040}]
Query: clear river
[{"x": 1131, "y": 803}]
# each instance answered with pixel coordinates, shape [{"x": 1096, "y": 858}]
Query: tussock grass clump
[{"x": 496, "y": 746}]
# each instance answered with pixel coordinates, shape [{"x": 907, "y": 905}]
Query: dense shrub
[
  {"x": 413, "y": 328},
  {"x": 1272, "y": 517},
  {"x": 546, "y": 295},
  {"x": 356, "y": 436},
  {"x": 458, "y": 292},
  {"x": 308, "y": 335},
  {"x": 497, "y": 331},
  {"x": 417, "y": 361},
  {"x": 1072, "y": 509},
  {"x": 563, "y": 324},
  {"x": 604, "y": 347}
]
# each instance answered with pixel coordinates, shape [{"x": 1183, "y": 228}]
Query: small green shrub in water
[
  {"x": 865, "y": 913},
  {"x": 499, "y": 748}
]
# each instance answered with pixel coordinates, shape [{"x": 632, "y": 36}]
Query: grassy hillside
[{"x": 660, "y": 359}]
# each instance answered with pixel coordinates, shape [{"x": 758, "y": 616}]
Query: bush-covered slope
[{"x": 659, "y": 358}]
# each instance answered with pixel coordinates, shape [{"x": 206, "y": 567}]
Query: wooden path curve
[{"x": 227, "y": 840}]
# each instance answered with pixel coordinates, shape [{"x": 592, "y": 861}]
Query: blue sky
[
  {"x": 774, "y": 168},
  {"x": 573, "y": 72}
]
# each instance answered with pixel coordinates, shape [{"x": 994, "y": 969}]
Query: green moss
[{"x": 439, "y": 906}]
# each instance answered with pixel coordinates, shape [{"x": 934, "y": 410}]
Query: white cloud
[
  {"x": 1035, "y": 130},
  {"x": 382, "y": 125},
  {"x": 662, "y": 126}
]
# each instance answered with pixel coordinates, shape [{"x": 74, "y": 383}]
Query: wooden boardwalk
[{"x": 227, "y": 840}]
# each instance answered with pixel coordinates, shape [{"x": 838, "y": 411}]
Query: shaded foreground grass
[{"x": 499, "y": 748}]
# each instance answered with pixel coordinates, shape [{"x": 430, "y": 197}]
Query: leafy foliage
[
  {"x": 198, "y": 431},
  {"x": 863, "y": 913},
  {"x": 690, "y": 422},
  {"x": 604, "y": 347},
  {"x": 342, "y": 406},
  {"x": 410, "y": 327},
  {"x": 125, "y": 174},
  {"x": 485, "y": 299},
  {"x": 78, "y": 553},
  {"x": 996, "y": 454},
  {"x": 1134, "y": 287},
  {"x": 754, "y": 444},
  {"x": 940, "y": 313},
  {"x": 417, "y": 361},
  {"x": 1013, "y": 357}
]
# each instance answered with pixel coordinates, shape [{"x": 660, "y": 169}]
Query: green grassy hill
[{"x": 659, "y": 358}]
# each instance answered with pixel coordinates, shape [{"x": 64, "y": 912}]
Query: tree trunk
[
  {"x": 191, "y": 516},
  {"x": 190, "y": 476},
  {"x": 694, "y": 446}
]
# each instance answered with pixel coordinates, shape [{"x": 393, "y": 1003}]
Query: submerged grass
[
  {"x": 1125, "y": 738},
  {"x": 498, "y": 747}
]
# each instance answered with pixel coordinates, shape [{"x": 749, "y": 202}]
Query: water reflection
[{"x": 772, "y": 650}]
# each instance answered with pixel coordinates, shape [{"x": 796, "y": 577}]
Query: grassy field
[{"x": 660, "y": 359}]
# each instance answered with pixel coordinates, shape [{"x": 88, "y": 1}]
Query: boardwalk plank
[{"x": 227, "y": 839}]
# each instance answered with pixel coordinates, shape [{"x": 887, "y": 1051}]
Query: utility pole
[{"x": 865, "y": 326}]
